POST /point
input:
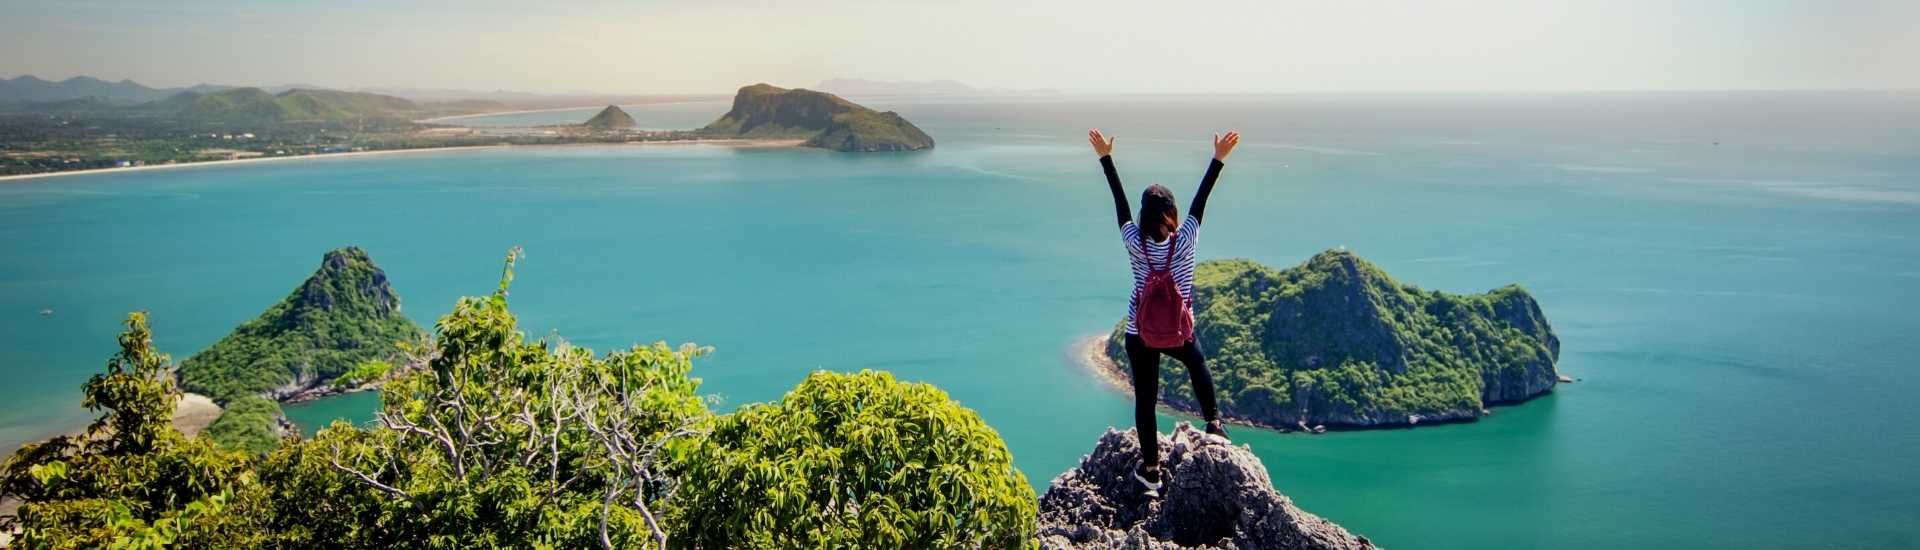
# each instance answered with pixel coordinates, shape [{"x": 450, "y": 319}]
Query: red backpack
[{"x": 1161, "y": 314}]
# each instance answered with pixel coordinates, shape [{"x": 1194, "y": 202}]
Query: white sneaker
[{"x": 1152, "y": 488}]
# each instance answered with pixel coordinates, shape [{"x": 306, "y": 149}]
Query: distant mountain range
[
  {"x": 863, "y": 87},
  {"x": 225, "y": 105},
  {"x": 256, "y": 106},
  {"x": 30, "y": 93},
  {"x": 32, "y": 89}
]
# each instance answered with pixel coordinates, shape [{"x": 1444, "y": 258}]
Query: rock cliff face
[
  {"x": 1336, "y": 342},
  {"x": 1216, "y": 495},
  {"x": 824, "y": 120}
]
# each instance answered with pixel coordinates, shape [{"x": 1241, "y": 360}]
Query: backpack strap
[{"x": 1172, "y": 241}]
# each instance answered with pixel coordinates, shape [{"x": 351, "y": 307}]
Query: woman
[{"x": 1159, "y": 314}]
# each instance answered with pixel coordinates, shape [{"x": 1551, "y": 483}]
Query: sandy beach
[
  {"x": 742, "y": 143},
  {"x": 18, "y": 177},
  {"x": 193, "y": 412},
  {"x": 1091, "y": 354}
]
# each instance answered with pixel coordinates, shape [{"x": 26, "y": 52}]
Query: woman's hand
[
  {"x": 1222, "y": 145},
  {"x": 1102, "y": 145}
]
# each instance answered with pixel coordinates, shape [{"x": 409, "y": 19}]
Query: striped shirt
[{"x": 1156, "y": 252}]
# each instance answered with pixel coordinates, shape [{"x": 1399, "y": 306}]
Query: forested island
[
  {"x": 824, "y": 120},
  {"x": 48, "y": 127},
  {"x": 1337, "y": 342},
  {"x": 338, "y": 330}
]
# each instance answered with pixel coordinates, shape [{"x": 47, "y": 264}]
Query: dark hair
[{"x": 1159, "y": 216}]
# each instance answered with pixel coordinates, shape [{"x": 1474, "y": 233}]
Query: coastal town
[{"x": 250, "y": 125}]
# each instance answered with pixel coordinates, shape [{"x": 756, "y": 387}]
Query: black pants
[{"x": 1146, "y": 389}]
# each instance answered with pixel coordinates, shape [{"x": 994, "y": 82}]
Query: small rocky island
[
  {"x": 344, "y": 315},
  {"x": 763, "y": 111},
  {"x": 1218, "y": 495},
  {"x": 1335, "y": 342},
  {"x": 610, "y": 118}
]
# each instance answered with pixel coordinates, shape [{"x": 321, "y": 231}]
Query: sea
[{"x": 1734, "y": 277}]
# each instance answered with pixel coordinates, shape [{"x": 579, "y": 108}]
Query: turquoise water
[
  {"x": 311, "y": 416},
  {"x": 1733, "y": 277}
]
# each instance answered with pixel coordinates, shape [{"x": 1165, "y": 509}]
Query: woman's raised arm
[
  {"x": 1103, "y": 146},
  {"x": 1222, "y": 146}
]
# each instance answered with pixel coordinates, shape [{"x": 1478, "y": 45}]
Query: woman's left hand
[{"x": 1223, "y": 145}]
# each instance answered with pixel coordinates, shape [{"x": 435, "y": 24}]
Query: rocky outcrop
[
  {"x": 610, "y": 118},
  {"x": 1216, "y": 495},
  {"x": 824, "y": 120},
  {"x": 1337, "y": 342}
]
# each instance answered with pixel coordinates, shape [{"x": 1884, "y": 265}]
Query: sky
[{"x": 1081, "y": 46}]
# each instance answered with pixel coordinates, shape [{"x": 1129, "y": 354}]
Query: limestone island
[
  {"x": 823, "y": 120},
  {"x": 1336, "y": 342},
  {"x": 339, "y": 330}
]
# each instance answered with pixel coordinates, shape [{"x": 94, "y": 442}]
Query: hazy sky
[{"x": 1078, "y": 46}]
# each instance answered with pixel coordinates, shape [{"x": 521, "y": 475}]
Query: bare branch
[{"x": 364, "y": 478}]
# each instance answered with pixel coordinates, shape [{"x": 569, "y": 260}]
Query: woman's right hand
[{"x": 1102, "y": 145}]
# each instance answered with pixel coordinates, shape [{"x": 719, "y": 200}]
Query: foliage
[
  {"x": 495, "y": 441},
  {"x": 486, "y": 439},
  {"x": 366, "y": 372},
  {"x": 130, "y": 480},
  {"x": 1337, "y": 340},
  {"x": 867, "y": 130},
  {"x": 250, "y": 423},
  {"x": 853, "y": 460},
  {"x": 343, "y": 315}
]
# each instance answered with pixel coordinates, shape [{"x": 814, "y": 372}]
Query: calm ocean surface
[{"x": 1735, "y": 278}]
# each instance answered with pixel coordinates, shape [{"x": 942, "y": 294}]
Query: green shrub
[
  {"x": 852, "y": 460},
  {"x": 250, "y": 423}
]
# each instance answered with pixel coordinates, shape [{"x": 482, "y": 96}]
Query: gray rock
[{"x": 1217, "y": 495}]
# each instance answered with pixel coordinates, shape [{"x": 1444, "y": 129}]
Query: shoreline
[
  {"x": 740, "y": 143},
  {"x": 122, "y": 169}
]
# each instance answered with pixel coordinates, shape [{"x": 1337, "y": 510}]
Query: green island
[
  {"x": 344, "y": 319},
  {"x": 1337, "y": 342},
  {"x": 138, "y": 127},
  {"x": 824, "y": 120}
]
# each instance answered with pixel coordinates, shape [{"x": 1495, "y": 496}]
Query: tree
[
  {"x": 490, "y": 440},
  {"x": 131, "y": 479},
  {"x": 486, "y": 439},
  {"x": 852, "y": 460}
]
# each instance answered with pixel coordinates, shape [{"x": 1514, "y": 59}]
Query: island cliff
[
  {"x": 824, "y": 120},
  {"x": 1337, "y": 342}
]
